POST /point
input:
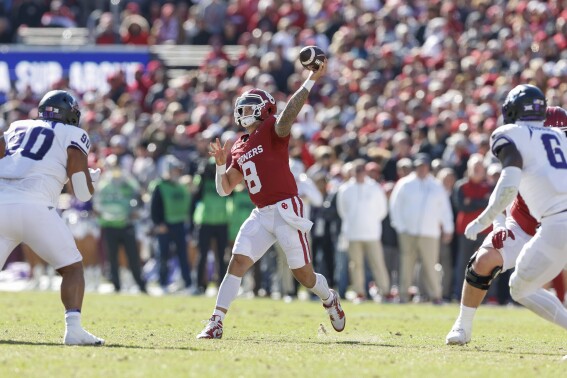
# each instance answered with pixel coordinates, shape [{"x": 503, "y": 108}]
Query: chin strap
[{"x": 247, "y": 121}]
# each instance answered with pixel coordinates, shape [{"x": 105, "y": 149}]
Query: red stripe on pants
[{"x": 304, "y": 242}]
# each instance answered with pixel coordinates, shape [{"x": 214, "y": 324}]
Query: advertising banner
[{"x": 86, "y": 69}]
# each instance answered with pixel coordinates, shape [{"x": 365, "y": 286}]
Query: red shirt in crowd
[{"x": 474, "y": 191}]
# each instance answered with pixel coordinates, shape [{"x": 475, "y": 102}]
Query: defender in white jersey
[
  {"x": 36, "y": 158},
  {"x": 535, "y": 164}
]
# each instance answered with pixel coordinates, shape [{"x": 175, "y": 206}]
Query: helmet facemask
[{"x": 253, "y": 101}]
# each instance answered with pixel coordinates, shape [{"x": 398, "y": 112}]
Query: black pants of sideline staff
[
  {"x": 206, "y": 233},
  {"x": 114, "y": 237},
  {"x": 175, "y": 234}
]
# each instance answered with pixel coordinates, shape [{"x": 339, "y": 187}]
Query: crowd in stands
[{"x": 409, "y": 83}]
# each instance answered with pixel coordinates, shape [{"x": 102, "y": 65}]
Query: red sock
[{"x": 559, "y": 285}]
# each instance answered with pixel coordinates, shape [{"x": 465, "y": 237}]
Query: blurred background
[{"x": 157, "y": 81}]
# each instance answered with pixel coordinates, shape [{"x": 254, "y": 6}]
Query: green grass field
[{"x": 155, "y": 337}]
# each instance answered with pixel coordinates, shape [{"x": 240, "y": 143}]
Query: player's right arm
[
  {"x": 506, "y": 189},
  {"x": 295, "y": 103},
  {"x": 225, "y": 180}
]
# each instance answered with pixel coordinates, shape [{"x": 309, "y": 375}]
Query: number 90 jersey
[
  {"x": 34, "y": 168},
  {"x": 263, "y": 158},
  {"x": 544, "y": 173}
]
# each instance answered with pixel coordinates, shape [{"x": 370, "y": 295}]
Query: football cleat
[
  {"x": 336, "y": 313},
  {"x": 78, "y": 336},
  {"x": 213, "y": 330},
  {"x": 458, "y": 336}
]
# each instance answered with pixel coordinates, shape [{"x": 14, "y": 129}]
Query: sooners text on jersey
[{"x": 263, "y": 158}]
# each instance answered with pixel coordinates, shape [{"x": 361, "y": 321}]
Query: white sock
[
  {"x": 321, "y": 289},
  {"x": 466, "y": 317},
  {"x": 546, "y": 305},
  {"x": 219, "y": 313},
  {"x": 228, "y": 291},
  {"x": 72, "y": 319}
]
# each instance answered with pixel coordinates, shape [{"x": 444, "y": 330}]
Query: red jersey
[
  {"x": 521, "y": 214},
  {"x": 263, "y": 158}
]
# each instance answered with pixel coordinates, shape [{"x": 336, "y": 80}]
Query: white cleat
[
  {"x": 336, "y": 313},
  {"x": 213, "y": 329},
  {"x": 458, "y": 336},
  {"x": 78, "y": 336}
]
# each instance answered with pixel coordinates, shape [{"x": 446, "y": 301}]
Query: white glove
[
  {"x": 473, "y": 229},
  {"x": 95, "y": 174}
]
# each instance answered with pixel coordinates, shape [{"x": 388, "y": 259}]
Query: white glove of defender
[
  {"x": 473, "y": 229},
  {"x": 95, "y": 174}
]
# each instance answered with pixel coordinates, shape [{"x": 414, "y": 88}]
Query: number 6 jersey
[
  {"x": 263, "y": 158},
  {"x": 34, "y": 168},
  {"x": 544, "y": 172}
]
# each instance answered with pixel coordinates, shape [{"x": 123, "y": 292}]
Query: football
[{"x": 311, "y": 57}]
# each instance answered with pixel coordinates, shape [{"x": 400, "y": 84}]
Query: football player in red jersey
[
  {"x": 261, "y": 158},
  {"x": 498, "y": 252}
]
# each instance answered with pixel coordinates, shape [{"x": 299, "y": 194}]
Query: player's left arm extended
[
  {"x": 504, "y": 192},
  {"x": 226, "y": 180}
]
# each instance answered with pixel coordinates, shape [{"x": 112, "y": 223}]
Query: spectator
[
  {"x": 211, "y": 221},
  {"x": 6, "y": 31},
  {"x": 119, "y": 148},
  {"x": 116, "y": 202},
  {"x": 448, "y": 253},
  {"x": 166, "y": 29},
  {"x": 325, "y": 231},
  {"x": 59, "y": 16},
  {"x": 470, "y": 197},
  {"x": 169, "y": 204},
  {"x": 401, "y": 149},
  {"x": 105, "y": 33},
  {"x": 362, "y": 205},
  {"x": 419, "y": 210},
  {"x": 134, "y": 30},
  {"x": 214, "y": 14}
]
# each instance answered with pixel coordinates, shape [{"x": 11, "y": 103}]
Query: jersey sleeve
[
  {"x": 79, "y": 139},
  {"x": 504, "y": 136}
]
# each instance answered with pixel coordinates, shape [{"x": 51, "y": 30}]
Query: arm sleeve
[
  {"x": 394, "y": 209},
  {"x": 311, "y": 192},
  {"x": 447, "y": 221},
  {"x": 383, "y": 204},
  {"x": 340, "y": 203},
  {"x": 79, "y": 139},
  {"x": 504, "y": 193}
]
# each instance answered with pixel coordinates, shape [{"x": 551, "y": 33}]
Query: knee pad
[
  {"x": 520, "y": 288},
  {"x": 478, "y": 281}
]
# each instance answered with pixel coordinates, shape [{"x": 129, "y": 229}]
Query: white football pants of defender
[
  {"x": 42, "y": 229},
  {"x": 512, "y": 247},
  {"x": 541, "y": 260},
  {"x": 266, "y": 225}
]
